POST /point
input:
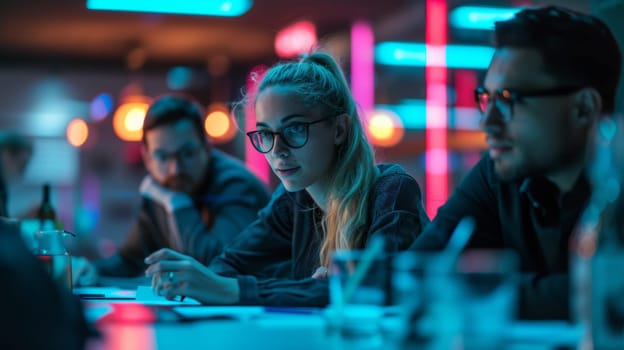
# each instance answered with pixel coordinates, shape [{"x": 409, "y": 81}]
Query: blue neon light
[
  {"x": 226, "y": 8},
  {"x": 413, "y": 115},
  {"x": 414, "y": 54},
  {"x": 482, "y": 18}
]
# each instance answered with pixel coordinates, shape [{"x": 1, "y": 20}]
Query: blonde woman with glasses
[{"x": 332, "y": 196}]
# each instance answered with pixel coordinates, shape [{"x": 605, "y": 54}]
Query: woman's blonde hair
[{"x": 319, "y": 81}]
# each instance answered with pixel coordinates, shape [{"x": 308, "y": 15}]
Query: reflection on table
[{"x": 128, "y": 320}]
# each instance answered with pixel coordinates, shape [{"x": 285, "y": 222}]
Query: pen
[{"x": 88, "y": 295}]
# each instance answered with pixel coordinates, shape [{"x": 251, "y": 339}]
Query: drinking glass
[{"x": 50, "y": 250}]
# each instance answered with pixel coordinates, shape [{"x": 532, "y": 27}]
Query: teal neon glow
[
  {"x": 225, "y": 8},
  {"x": 414, "y": 54},
  {"x": 413, "y": 115},
  {"x": 482, "y": 18}
]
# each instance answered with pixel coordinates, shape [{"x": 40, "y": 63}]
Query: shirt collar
[{"x": 542, "y": 193}]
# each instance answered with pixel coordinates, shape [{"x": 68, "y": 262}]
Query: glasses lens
[
  {"x": 483, "y": 99},
  {"x": 504, "y": 103},
  {"x": 262, "y": 141},
  {"x": 295, "y": 135}
]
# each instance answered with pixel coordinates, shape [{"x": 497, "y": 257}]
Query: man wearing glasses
[
  {"x": 553, "y": 76},
  {"x": 196, "y": 199}
]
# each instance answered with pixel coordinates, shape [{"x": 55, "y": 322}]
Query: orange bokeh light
[
  {"x": 77, "y": 132},
  {"x": 384, "y": 128},
  {"x": 219, "y": 125},
  {"x": 128, "y": 120}
]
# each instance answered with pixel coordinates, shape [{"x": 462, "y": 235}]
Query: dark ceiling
[{"x": 65, "y": 30}]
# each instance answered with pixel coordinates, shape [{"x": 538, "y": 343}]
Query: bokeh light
[
  {"x": 295, "y": 39},
  {"x": 77, "y": 132},
  {"x": 101, "y": 106},
  {"x": 128, "y": 120},
  {"x": 219, "y": 125},
  {"x": 179, "y": 78},
  {"x": 384, "y": 128}
]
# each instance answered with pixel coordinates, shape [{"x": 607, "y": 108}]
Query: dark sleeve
[
  {"x": 128, "y": 261},
  {"x": 397, "y": 216},
  {"x": 264, "y": 243},
  {"x": 475, "y": 197},
  {"x": 3, "y": 199},
  {"x": 260, "y": 247},
  {"x": 283, "y": 292},
  {"x": 237, "y": 207},
  {"x": 397, "y": 212},
  {"x": 543, "y": 297}
]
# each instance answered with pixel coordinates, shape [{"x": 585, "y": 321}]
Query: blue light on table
[
  {"x": 226, "y": 8},
  {"x": 481, "y": 18},
  {"x": 415, "y": 54}
]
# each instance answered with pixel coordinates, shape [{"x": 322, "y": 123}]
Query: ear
[
  {"x": 342, "y": 127},
  {"x": 589, "y": 105}
]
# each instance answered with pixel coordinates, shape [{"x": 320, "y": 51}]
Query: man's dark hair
[
  {"x": 578, "y": 49},
  {"x": 170, "y": 109}
]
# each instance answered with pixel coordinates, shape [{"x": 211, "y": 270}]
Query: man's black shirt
[{"x": 528, "y": 216}]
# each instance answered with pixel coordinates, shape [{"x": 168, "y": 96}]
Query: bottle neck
[
  {"x": 46, "y": 194},
  {"x": 46, "y": 214}
]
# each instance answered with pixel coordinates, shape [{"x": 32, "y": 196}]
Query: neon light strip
[
  {"x": 480, "y": 18},
  {"x": 225, "y": 8},
  {"x": 362, "y": 65},
  {"x": 413, "y": 115},
  {"x": 254, "y": 160},
  {"x": 436, "y": 165},
  {"x": 415, "y": 54}
]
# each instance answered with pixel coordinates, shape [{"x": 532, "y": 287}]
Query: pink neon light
[
  {"x": 436, "y": 172},
  {"x": 362, "y": 65},
  {"x": 436, "y": 56},
  {"x": 465, "y": 83},
  {"x": 295, "y": 39},
  {"x": 254, "y": 160}
]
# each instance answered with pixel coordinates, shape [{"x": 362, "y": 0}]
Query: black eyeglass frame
[
  {"x": 511, "y": 96},
  {"x": 252, "y": 134}
]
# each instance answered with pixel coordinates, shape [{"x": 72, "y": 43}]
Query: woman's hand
[
  {"x": 84, "y": 272},
  {"x": 174, "y": 274}
]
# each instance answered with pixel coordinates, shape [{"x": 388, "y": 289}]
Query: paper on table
[
  {"x": 145, "y": 295},
  {"x": 104, "y": 293}
]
